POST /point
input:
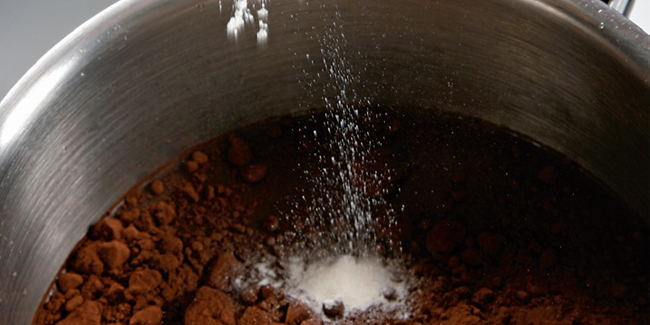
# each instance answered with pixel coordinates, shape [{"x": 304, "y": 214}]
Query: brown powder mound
[
  {"x": 210, "y": 307},
  {"x": 87, "y": 260},
  {"x": 239, "y": 153},
  {"x": 114, "y": 254},
  {"x": 69, "y": 280},
  {"x": 255, "y": 316},
  {"x": 89, "y": 313},
  {"x": 108, "y": 229},
  {"x": 224, "y": 271},
  {"x": 142, "y": 282},
  {"x": 495, "y": 230},
  {"x": 297, "y": 312},
  {"x": 148, "y": 315}
]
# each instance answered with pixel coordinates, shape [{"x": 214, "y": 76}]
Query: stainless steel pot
[{"x": 145, "y": 80}]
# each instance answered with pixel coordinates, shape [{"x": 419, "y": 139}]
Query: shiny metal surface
[
  {"x": 622, "y": 6},
  {"x": 146, "y": 80}
]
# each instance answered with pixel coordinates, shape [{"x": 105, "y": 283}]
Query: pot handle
[{"x": 622, "y": 6}]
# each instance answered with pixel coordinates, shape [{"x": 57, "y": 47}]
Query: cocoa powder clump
[
  {"x": 157, "y": 187},
  {"x": 239, "y": 153},
  {"x": 210, "y": 307},
  {"x": 151, "y": 315},
  {"x": 114, "y": 254},
  {"x": 89, "y": 313},
  {"x": 108, "y": 229},
  {"x": 69, "y": 280},
  {"x": 224, "y": 271},
  {"x": 297, "y": 312}
]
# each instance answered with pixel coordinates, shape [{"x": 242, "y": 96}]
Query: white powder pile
[{"x": 357, "y": 283}]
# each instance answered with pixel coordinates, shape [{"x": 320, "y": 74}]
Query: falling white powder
[
  {"x": 242, "y": 16},
  {"x": 262, "y": 14},
  {"x": 357, "y": 283},
  {"x": 263, "y": 33}
]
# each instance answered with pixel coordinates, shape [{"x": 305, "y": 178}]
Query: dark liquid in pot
[{"x": 492, "y": 230}]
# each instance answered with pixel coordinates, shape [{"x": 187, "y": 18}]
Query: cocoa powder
[{"x": 493, "y": 229}]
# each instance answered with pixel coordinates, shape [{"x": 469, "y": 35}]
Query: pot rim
[{"x": 628, "y": 39}]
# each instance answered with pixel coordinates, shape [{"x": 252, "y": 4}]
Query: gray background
[{"x": 29, "y": 28}]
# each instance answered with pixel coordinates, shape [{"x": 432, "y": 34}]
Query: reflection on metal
[
  {"x": 20, "y": 116},
  {"x": 622, "y": 6}
]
